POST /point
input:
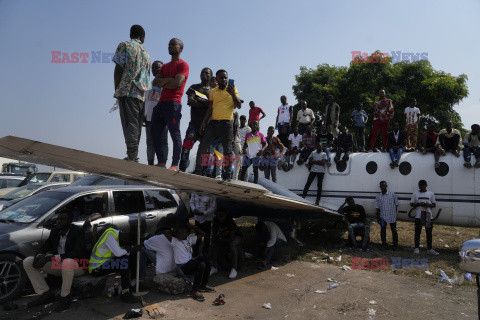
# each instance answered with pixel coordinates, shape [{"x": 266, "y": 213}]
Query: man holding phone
[{"x": 223, "y": 99}]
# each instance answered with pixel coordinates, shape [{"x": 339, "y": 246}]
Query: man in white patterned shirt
[
  {"x": 386, "y": 204},
  {"x": 203, "y": 208}
]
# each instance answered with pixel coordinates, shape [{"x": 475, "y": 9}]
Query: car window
[
  {"x": 127, "y": 202},
  {"x": 12, "y": 183},
  {"x": 78, "y": 176},
  {"x": 20, "y": 192},
  {"x": 31, "y": 208},
  {"x": 84, "y": 206},
  {"x": 111, "y": 182},
  {"x": 60, "y": 178},
  {"x": 39, "y": 177},
  {"x": 159, "y": 199}
]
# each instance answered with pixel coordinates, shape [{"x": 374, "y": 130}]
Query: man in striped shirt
[{"x": 386, "y": 204}]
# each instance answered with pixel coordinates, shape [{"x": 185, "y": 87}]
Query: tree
[{"x": 437, "y": 92}]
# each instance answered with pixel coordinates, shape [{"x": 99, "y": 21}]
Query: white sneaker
[
  {"x": 218, "y": 177},
  {"x": 432, "y": 251},
  {"x": 416, "y": 251},
  {"x": 233, "y": 274},
  {"x": 213, "y": 270}
]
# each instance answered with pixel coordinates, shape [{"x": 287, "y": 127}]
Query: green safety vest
[{"x": 96, "y": 259}]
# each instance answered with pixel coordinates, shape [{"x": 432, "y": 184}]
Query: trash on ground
[
  {"x": 314, "y": 306},
  {"x": 444, "y": 277},
  {"x": 321, "y": 292},
  {"x": 331, "y": 280},
  {"x": 468, "y": 276},
  {"x": 371, "y": 311},
  {"x": 274, "y": 268},
  {"x": 333, "y": 286},
  {"x": 446, "y": 246},
  {"x": 428, "y": 272},
  {"x": 372, "y": 302},
  {"x": 345, "y": 267},
  {"x": 338, "y": 259},
  {"x": 134, "y": 313},
  {"x": 290, "y": 275},
  {"x": 441, "y": 240},
  {"x": 267, "y": 305}
]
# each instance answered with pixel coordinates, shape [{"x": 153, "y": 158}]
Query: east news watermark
[
  {"x": 385, "y": 263},
  {"x": 381, "y": 57},
  {"x": 71, "y": 264},
  {"x": 87, "y": 57}
]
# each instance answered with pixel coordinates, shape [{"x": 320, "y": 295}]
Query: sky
[{"x": 261, "y": 44}]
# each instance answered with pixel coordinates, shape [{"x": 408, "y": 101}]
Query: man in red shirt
[
  {"x": 254, "y": 114},
  {"x": 382, "y": 113},
  {"x": 172, "y": 77}
]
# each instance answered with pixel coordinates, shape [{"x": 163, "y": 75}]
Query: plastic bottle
[
  {"x": 468, "y": 276},
  {"x": 115, "y": 287},
  {"x": 332, "y": 286}
]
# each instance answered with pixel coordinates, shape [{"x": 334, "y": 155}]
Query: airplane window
[
  {"x": 442, "y": 170},
  {"x": 341, "y": 166},
  {"x": 405, "y": 168},
  {"x": 372, "y": 167}
]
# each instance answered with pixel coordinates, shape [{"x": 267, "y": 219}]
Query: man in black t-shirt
[
  {"x": 198, "y": 102},
  {"x": 357, "y": 223},
  {"x": 225, "y": 233},
  {"x": 326, "y": 139}
]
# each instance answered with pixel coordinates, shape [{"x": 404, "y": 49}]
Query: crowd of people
[{"x": 193, "y": 252}]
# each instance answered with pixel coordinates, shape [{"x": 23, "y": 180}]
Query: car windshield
[
  {"x": 20, "y": 192},
  {"x": 33, "y": 207},
  {"x": 40, "y": 177}
]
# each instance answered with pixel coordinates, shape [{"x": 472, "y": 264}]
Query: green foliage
[{"x": 437, "y": 92}]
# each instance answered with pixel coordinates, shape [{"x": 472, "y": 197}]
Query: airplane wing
[{"x": 56, "y": 156}]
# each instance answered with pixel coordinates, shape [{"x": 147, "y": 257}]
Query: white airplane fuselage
[{"x": 457, "y": 191}]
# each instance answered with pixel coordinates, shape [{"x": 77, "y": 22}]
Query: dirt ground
[{"x": 389, "y": 293}]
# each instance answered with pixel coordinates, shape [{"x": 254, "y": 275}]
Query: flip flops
[
  {"x": 219, "y": 301},
  {"x": 206, "y": 289},
  {"x": 198, "y": 297}
]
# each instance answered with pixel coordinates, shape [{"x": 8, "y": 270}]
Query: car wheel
[{"x": 12, "y": 277}]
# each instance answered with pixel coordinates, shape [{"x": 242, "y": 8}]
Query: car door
[
  {"x": 127, "y": 204},
  {"x": 161, "y": 203}
]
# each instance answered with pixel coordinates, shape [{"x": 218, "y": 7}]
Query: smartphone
[{"x": 231, "y": 82}]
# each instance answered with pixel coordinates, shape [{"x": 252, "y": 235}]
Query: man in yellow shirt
[{"x": 223, "y": 99}]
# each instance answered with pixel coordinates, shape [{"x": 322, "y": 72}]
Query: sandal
[
  {"x": 198, "y": 297},
  {"x": 206, "y": 289},
  {"x": 219, "y": 301}
]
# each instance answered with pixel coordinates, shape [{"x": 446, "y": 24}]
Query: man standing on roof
[
  {"x": 132, "y": 80},
  {"x": 254, "y": 114},
  {"x": 332, "y": 116},
  {"x": 284, "y": 115},
  {"x": 172, "y": 77},
  {"x": 198, "y": 102},
  {"x": 382, "y": 113},
  {"x": 305, "y": 117}
]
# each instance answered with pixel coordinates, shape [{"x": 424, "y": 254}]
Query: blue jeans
[
  {"x": 395, "y": 156},
  {"x": 167, "y": 114},
  {"x": 191, "y": 137},
  {"x": 468, "y": 151},
  {"x": 278, "y": 243},
  {"x": 146, "y": 256},
  {"x": 214, "y": 161},
  {"x": 246, "y": 163},
  {"x": 271, "y": 163},
  {"x": 328, "y": 151}
]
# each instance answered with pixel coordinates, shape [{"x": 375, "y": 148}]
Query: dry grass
[{"x": 322, "y": 244}]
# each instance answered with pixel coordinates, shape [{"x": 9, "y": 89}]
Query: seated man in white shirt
[
  {"x": 182, "y": 245},
  {"x": 108, "y": 257},
  {"x": 268, "y": 237},
  {"x": 157, "y": 249}
]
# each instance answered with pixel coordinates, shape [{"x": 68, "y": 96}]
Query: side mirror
[{"x": 469, "y": 256}]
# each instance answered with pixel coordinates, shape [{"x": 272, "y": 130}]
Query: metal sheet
[{"x": 56, "y": 156}]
